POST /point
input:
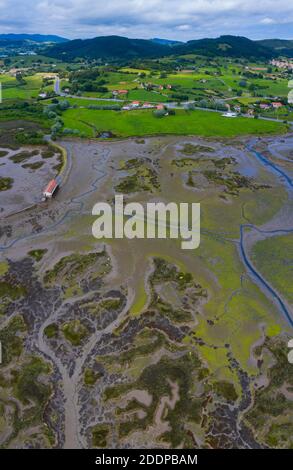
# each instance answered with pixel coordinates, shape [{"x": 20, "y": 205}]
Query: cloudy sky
[{"x": 172, "y": 19}]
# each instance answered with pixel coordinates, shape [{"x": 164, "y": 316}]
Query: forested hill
[
  {"x": 117, "y": 47},
  {"x": 232, "y": 46},
  {"x": 38, "y": 38},
  {"x": 108, "y": 47}
]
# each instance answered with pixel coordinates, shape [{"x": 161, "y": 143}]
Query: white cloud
[
  {"x": 183, "y": 27},
  {"x": 179, "y": 19},
  {"x": 267, "y": 21}
]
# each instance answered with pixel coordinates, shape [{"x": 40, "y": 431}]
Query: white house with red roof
[{"x": 277, "y": 104}]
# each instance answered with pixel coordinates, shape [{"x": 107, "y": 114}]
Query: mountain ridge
[
  {"x": 119, "y": 47},
  {"x": 39, "y": 38}
]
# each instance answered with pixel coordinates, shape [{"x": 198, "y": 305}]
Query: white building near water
[{"x": 230, "y": 114}]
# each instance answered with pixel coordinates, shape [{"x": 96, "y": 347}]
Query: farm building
[
  {"x": 277, "y": 104},
  {"x": 50, "y": 189},
  {"x": 147, "y": 105}
]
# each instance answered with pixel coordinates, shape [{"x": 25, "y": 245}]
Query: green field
[
  {"x": 145, "y": 95},
  {"x": 83, "y": 102},
  {"x": 11, "y": 89},
  {"x": 142, "y": 122}
]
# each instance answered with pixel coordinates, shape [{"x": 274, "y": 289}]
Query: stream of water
[{"x": 256, "y": 275}]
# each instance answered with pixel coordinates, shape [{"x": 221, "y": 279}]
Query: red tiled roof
[{"x": 51, "y": 186}]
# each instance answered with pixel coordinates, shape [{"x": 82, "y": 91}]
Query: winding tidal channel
[{"x": 269, "y": 231}]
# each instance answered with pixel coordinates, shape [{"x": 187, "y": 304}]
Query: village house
[
  {"x": 49, "y": 76},
  {"x": 264, "y": 106},
  {"x": 14, "y": 71},
  {"x": 116, "y": 93},
  {"x": 282, "y": 64},
  {"x": 147, "y": 105},
  {"x": 277, "y": 104}
]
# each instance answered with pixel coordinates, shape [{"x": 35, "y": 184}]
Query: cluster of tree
[
  {"x": 87, "y": 80},
  {"x": 106, "y": 107},
  {"x": 249, "y": 74},
  {"x": 20, "y": 79},
  {"x": 92, "y": 86},
  {"x": 209, "y": 104},
  {"x": 159, "y": 113},
  {"x": 69, "y": 131},
  {"x": 47, "y": 81},
  {"x": 54, "y": 111},
  {"x": 179, "y": 97},
  {"x": 118, "y": 49},
  {"x": 30, "y": 138},
  {"x": 23, "y": 106}
]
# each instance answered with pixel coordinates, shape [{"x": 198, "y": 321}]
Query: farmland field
[{"x": 139, "y": 123}]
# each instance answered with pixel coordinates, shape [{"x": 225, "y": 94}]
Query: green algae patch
[
  {"x": 51, "y": 331},
  {"x": 226, "y": 390},
  {"x": 11, "y": 291},
  {"x": 274, "y": 330},
  {"x": 11, "y": 338},
  {"x": 37, "y": 254},
  {"x": 273, "y": 257},
  {"x": 140, "y": 301},
  {"x": 100, "y": 434},
  {"x": 192, "y": 149},
  {"x": 4, "y": 267},
  {"x": 159, "y": 380},
  {"x": 90, "y": 377},
  {"x": 75, "y": 332},
  {"x": 27, "y": 386},
  {"x": 6, "y": 183},
  {"x": 142, "y": 179}
]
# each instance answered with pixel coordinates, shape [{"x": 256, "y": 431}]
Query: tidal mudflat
[
  {"x": 139, "y": 343},
  {"x": 29, "y": 169}
]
